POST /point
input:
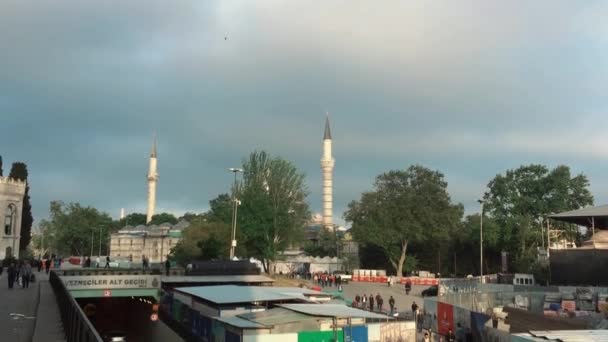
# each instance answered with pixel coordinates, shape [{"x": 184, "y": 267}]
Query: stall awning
[{"x": 585, "y": 217}]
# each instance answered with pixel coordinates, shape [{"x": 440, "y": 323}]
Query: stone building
[
  {"x": 11, "y": 206},
  {"x": 155, "y": 242}
]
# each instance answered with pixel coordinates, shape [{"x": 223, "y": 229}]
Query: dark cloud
[{"x": 471, "y": 89}]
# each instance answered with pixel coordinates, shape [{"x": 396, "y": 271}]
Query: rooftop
[
  {"x": 567, "y": 335},
  {"x": 332, "y": 310},
  {"x": 227, "y": 294},
  {"x": 240, "y": 323},
  {"x": 219, "y": 279}
]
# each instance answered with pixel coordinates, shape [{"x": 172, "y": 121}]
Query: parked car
[
  {"x": 431, "y": 291},
  {"x": 344, "y": 276}
]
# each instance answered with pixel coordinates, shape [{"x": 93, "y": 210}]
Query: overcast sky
[{"x": 470, "y": 88}]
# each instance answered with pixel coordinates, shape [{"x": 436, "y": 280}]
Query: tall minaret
[
  {"x": 152, "y": 179},
  {"x": 327, "y": 167}
]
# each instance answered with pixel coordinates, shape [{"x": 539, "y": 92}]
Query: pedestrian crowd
[
  {"x": 325, "y": 279},
  {"x": 20, "y": 273}
]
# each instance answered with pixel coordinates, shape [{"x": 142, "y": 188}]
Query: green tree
[
  {"x": 195, "y": 242},
  {"x": 163, "y": 218},
  {"x": 326, "y": 245},
  {"x": 405, "y": 206},
  {"x": 211, "y": 248},
  {"x": 134, "y": 219},
  {"x": 521, "y": 199},
  {"x": 19, "y": 171},
  {"x": 74, "y": 230},
  {"x": 273, "y": 209},
  {"x": 221, "y": 209}
]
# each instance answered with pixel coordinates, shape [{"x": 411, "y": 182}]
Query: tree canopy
[
  {"x": 405, "y": 206},
  {"x": 202, "y": 241},
  {"x": 273, "y": 209},
  {"x": 134, "y": 219},
  {"x": 161, "y": 218},
  {"x": 520, "y": 200},
  {"x": 69, "y": 229}
]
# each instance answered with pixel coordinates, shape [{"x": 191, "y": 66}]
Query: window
[{"x": 9, "y": 218}]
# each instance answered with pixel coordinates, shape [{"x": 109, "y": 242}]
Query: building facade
[
  {"x": 11, "y": 207},
  {"x": 153, "y": 242}
]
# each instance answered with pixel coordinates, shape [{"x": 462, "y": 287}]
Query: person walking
[
  {"x": 414, "y": 310},
  {"x": 391, "y": 304},
  {"x": 11, "y": 273},
  {"x": 371, "y": 302},
  {"x": 39, "y": 264},
  {"x": 380, "y": 302},
  {"x": 167, "y": 266},
  {"x": 107, "y": 262},
  {"x": 26, "y": 274},
  {"x": 364, "y": 302},
  {"x": 408, "y": 287},
  {"x": 19, "y": 269},
  {"x": 357, "y": 300},
  {"x": 47, "y": 265}
]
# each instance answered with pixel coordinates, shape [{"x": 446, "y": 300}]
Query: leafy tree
[
  {"x": 406, "y": 206},
  {"x": 211, "y": 248},
  {"x": 195, "y": 242},
  {"x": 192, "y": 217},
  {"x": 163, "y": 218},
  {"x": 19, "y": 171},
  {"x": 327, "y": 244},
  {"x": 69, "y": 229},
  {"x": 521, "y": 199},
  {"x": 133, "y": 219},
  {"x": 221, "y": 209},
  {"x": 273, "y": 210}
]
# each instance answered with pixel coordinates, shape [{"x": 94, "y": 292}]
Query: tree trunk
[{"x": 399, "y": 267}]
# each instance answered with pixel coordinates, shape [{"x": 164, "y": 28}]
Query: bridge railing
[{"x": 76, "y": 325}]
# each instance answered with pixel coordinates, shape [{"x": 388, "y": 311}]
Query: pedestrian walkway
[
  {"x": 48, "y": 318},
  {"x": 37, "y": 299}
]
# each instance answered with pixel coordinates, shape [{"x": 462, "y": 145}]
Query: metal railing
[{"x": 76, "y": 325}]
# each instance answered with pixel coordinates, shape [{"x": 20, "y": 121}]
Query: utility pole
[
  {"x": 234, "y": 213},
  {"x": 481, "y": 242},
  {"x": 91, "y": 242}
]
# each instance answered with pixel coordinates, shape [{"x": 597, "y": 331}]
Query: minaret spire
[
  {"x": 327, "y": 134},
  {"x": 153, "y": 152},
  {"x": 327, "y": 168},
  {"x": 152, "y": 180}
]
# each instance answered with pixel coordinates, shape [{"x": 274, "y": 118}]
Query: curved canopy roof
[{"x": 587, "y": 217}]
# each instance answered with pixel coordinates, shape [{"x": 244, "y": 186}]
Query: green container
[{"x": 320, "y": 336}]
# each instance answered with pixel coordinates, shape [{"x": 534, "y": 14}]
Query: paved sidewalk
[
  {"x": 48, "y": 319},
  {"x": 20, "y": 301}
]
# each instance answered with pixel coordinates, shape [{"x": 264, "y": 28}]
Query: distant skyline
[{"x": 467, "y": 88}]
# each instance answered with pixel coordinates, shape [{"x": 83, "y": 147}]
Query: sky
[{"x": 469, "y": 88}]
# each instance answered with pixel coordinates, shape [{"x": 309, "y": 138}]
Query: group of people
[
  {"x": 372, "y": 303},
  {"x": 20, "y": 273},
  {"x": 324, "y": 279},
  {"x": 87, "y": 262}
]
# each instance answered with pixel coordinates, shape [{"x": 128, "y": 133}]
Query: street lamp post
[
  {"x": 481, "y": 242},
  {"x": 234, "y": 213}
]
